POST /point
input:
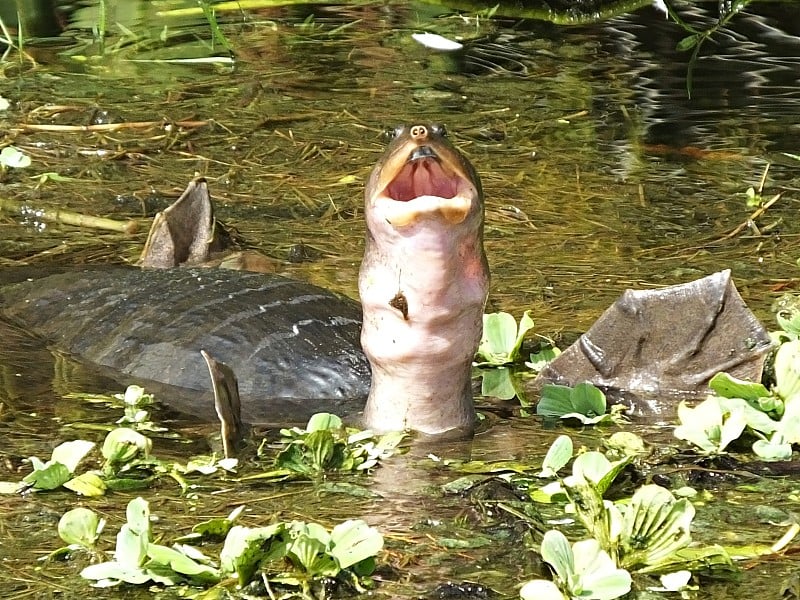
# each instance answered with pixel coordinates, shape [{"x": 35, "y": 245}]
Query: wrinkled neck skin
[{"x": 423, "y": 285}]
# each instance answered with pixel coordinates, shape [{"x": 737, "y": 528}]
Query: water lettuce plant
[
  {"x": 297, "y": 553},
  {"x": 501, "y": 347},
  {"x": 771, "y": 415},
  {"x": 326, "y": 445},
  {"x": 502, "y": 338},
  {"x": 582, "y": 570},
  {"x": 584, "y": 402},
  {"x": 294, "y": 554}
]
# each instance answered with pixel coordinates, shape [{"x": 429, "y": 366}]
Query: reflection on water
[{"x": 600, "y": 172}]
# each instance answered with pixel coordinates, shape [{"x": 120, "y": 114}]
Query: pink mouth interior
[{"x": 422, "y": 177}]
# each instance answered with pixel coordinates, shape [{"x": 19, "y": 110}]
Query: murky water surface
[{"x": 600, "y": 174}]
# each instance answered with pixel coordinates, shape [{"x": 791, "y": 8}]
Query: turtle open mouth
[{"x": 424, "y": 174}]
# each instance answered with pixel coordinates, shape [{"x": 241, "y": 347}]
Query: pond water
[{"x": 600, "y": 173}]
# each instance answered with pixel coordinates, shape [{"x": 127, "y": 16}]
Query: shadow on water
[{"x": 600, "y": 173}]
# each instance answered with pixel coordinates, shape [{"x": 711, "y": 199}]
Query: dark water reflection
[{"x": 600, "y": 174}]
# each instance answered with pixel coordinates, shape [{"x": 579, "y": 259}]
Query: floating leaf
[
  {"x": 541, "y": 589},
  {"x": 730, "y": 387},
  {"x": 180, "y": 563},
  {"x": 88, "y": 484},
  {"x": 49, "y": 476},
  {"x": 112, "y": 573},
  {"x": 555, "y": 400},
  {"x": 354, "y": 541},
  {"x": 123, "y": 445},
  {"x": 323, "y": 422},
  {"x": 774, "y": 449},
  {"x": 584, "y": 402},
  {"x": 436, "y": 42},
  {"x": 787, "y": 371},
  {"x": 497, "y": 383},
  {"x": 558, "y": 455},
  {"x": 70, "y": 454},
  {"x": 557, "y": 552},
  {"x": 655, "y": 527},
  {"x": 584, "y": 569},
  {"x": 502, "y": 339},
  {"x": 80, "y": 526},
  {"x": 597, "y": 574},
  {"x": 13, "y": 157},
  {"x": 541, "y": 359},
  {"x": 245, "y": 548}
]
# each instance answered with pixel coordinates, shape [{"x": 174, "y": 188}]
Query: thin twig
[
  {"x": 107, "y": 126},
  {"x": 66, "y": 217}
]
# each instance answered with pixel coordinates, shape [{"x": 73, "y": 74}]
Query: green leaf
[
  {"x": 88, "y": 484},
  {"x": 754, "y": 418},
  {"x": 245, "y": 548},
  {"x": 592, "y": 466},
  {"x": 497, "y": 383},
  {"x": 597, "y": 575},
  {"x": 556, "y": 552},
  {"x": 70, "y": 454},
  {"x": 218, "y": 528},
  {"x": 323, "y": 422},
  {"x": 137, "y": 514},
  {"x": 540, "y": 589},
  {"x": 732, "y": 427},
  {"x": 689, "y": 42},
  {"x": 309, "y": 541},
  {"x": 588, "y": 400},
  {"x": 558, "y": 455},
  {"x": 50, "y": 476},
  {"x": 625, "y": 443},
  {"x": 555, "y": 400},
  {"x": 773, "y": 450},
  {"x": 701, "y": 425},
  {"x": 354, "y": 541},
  {"x": 180, "y": 563},
  {"x": 122, "y": 445},
  {"x": 113, "y": 573},
  {"x": 728, "y": 386},
  {"x": 13, "y": 157},
  {"x": 585, "y": 402},
  {"x": 80, "y": 526},
  {"x": 655, "y": 527},
  {"x": 787, "y": 371},
  {"x": 131, "y": 548},
  {"x": 502, "y": 339},
  {"x": 541, "y": 359}
]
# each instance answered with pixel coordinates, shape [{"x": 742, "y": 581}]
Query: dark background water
[{"x": 600, "y": 172}]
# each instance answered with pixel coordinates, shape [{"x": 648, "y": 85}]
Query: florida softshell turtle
[{"x": 296, "y": 348}]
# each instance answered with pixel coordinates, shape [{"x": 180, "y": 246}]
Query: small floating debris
[{"x": 437, "y": 42}]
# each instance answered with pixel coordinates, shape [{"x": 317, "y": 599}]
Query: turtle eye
[
  {"x": 392, "y": 133},
  {"x": 439, "y": 129}
]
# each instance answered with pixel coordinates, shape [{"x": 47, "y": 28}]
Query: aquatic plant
[
  {"x": 294, "y": 554},
  {"x": 501, "y": 347},
  {"x": 585, "y": 402},
  {"x": 12, "y": 157},
  {"x": 326, "y": 445},
  {"x": 583, "y": 570},
  {"x": 648, "y": 533},
  {"x": 771, "y": 415},
  {"x": 502, "y": 338},
  {"x": 697, "y": 37}
]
